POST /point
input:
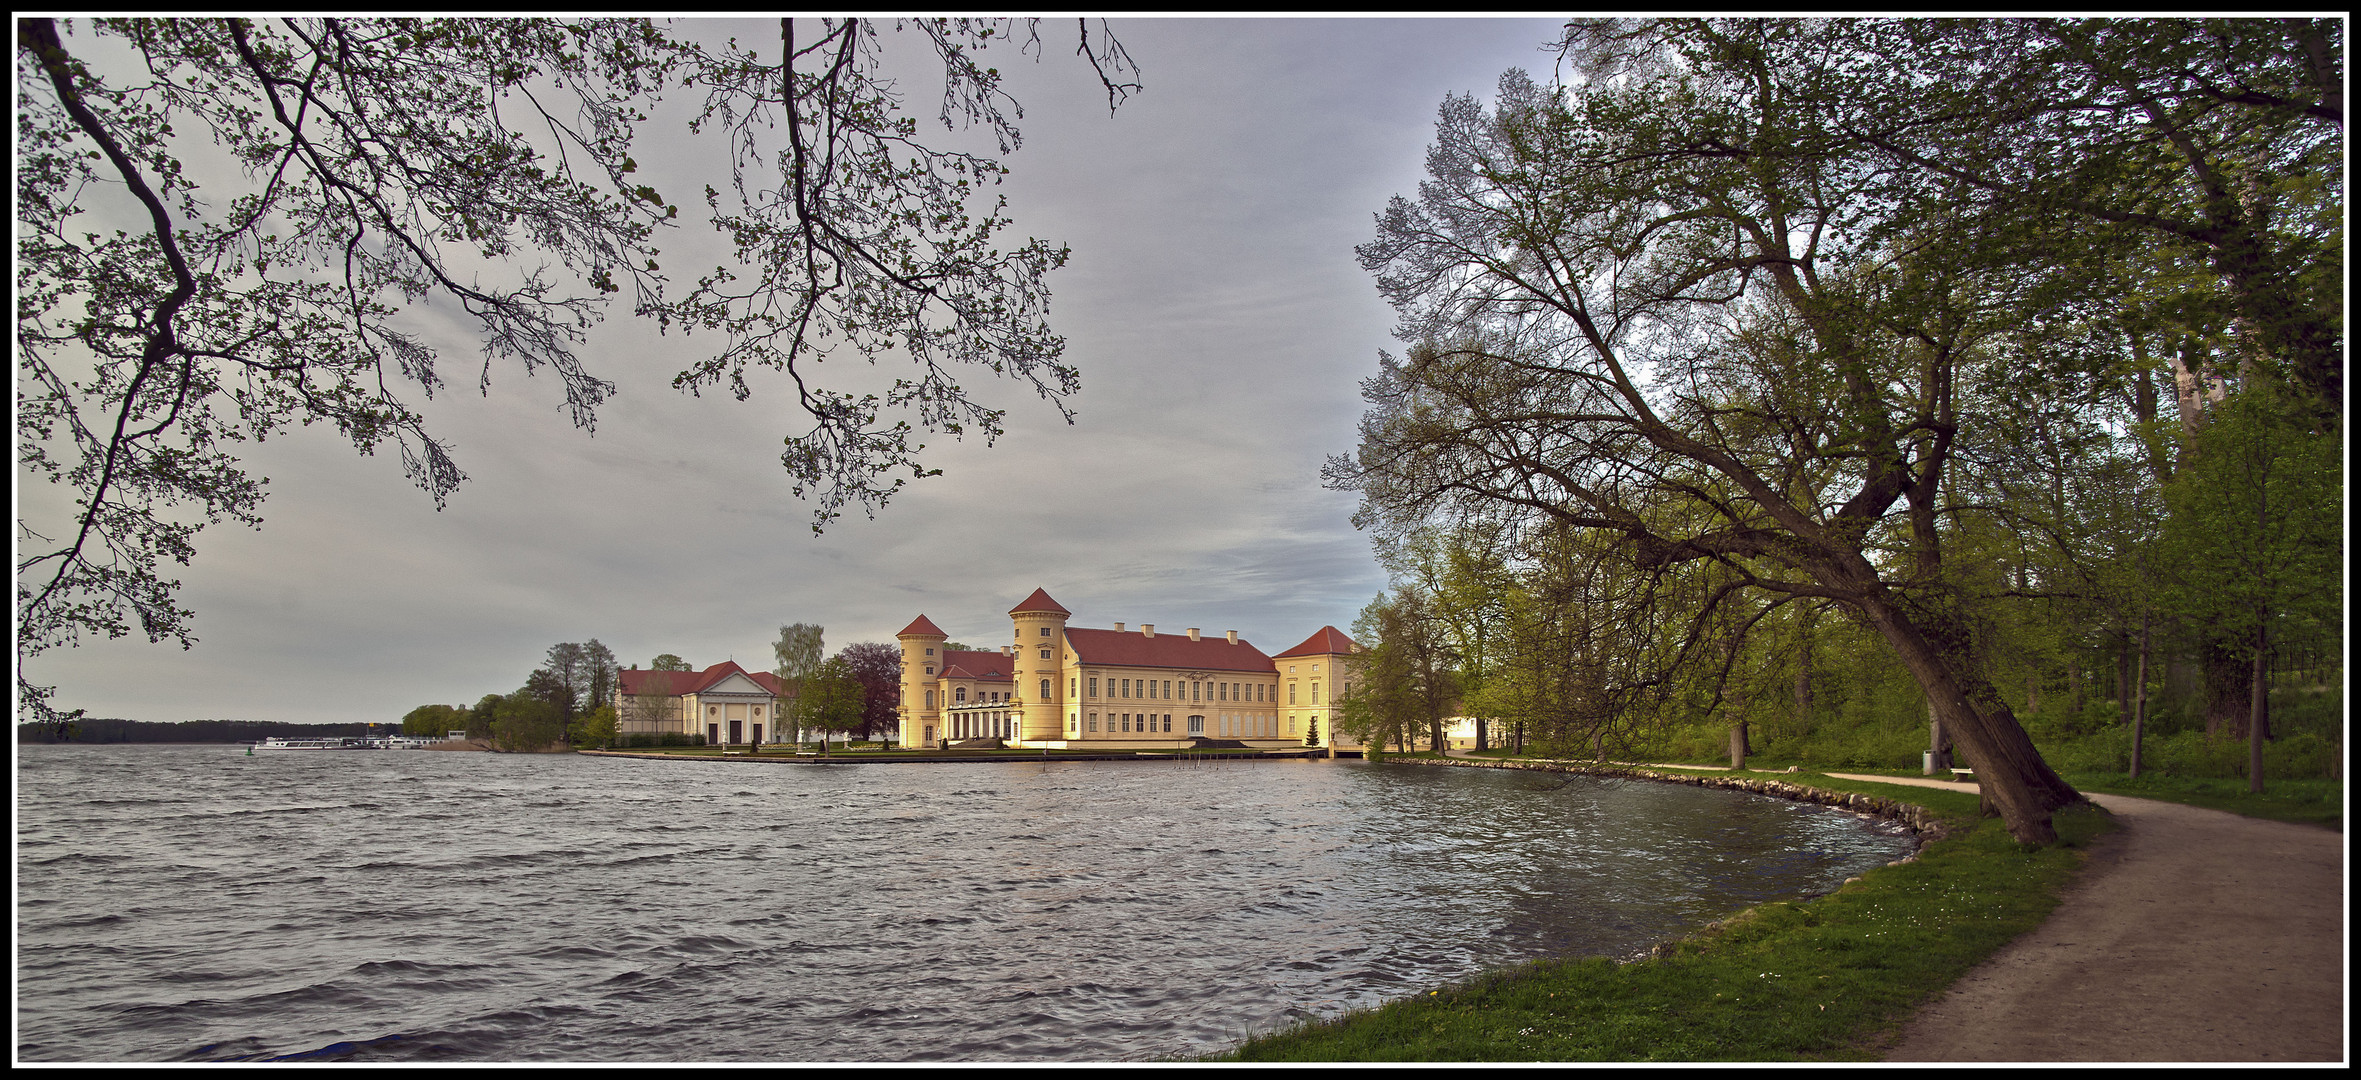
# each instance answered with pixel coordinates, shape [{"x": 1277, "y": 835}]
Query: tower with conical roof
[
  {"x": 1040, "y": 662},
  {"x": 922, "y": 649}
]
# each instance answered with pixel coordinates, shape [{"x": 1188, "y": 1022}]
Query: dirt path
[{"x": 2193, "y": 935}]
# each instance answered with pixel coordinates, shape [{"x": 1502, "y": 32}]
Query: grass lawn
[
  {"x": 2305, "y": 802},
  {"x": 1823, "y": 979}
]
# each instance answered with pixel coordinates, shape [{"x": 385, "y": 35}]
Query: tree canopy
[
  {"x": 1753, "y": 317},
  {"x": 225, "y": 223}
]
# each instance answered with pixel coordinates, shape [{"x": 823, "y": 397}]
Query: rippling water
[{"x": 191, "y": 903}]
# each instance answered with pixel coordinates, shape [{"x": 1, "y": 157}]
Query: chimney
[
  {"x": 1233, "y": 637},
  {"x": 1118, "y": 628},
  {"x": 1005, "y": 649},
  {"x": 1192, "y": 633},
  {"x": 1147, "y": 629}
]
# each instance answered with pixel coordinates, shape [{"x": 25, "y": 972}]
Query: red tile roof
[
  {"x": 922, "y": 625},
  {"x": 1328, "y": 640},
  {"x": 642, "y": 683},
  {"x": 1165, "y": 651},
  {"x": 1039, "y": 601}
]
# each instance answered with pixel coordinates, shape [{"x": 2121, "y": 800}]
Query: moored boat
[{"x": 276, "y": 743}]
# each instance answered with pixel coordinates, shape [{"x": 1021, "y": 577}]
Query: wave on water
[{"x": 490, "y": 908}]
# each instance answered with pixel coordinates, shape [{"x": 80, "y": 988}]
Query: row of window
[
  {"x": 1192, "y": 691},
  {"x": 1227, "y": 725},
  {"x": 1139, "y": 722}
]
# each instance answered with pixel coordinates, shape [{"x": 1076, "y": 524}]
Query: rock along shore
[{"x": 1925, "y": 824}]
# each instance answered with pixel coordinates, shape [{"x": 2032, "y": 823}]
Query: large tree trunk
[
  {"x": 2123, "y": 676},
  {"x": 2014, "y": 779}
]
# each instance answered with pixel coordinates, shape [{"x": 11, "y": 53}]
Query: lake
[{"x": 193, "y": 903}]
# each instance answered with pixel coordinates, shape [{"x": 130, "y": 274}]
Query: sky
[{"x": 1212, "y": 304}]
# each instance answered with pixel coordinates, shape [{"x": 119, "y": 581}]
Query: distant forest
[{"x": 189, "y": 731}]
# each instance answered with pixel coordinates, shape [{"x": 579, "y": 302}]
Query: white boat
[
  {"x": 276, "y": 743},
  {"x": 401, "y": 742}
]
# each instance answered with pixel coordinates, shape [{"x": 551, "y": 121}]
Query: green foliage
[
  {"x": 2254, "y": 548},
  {"x": 480, "y": 718},
  {"x": 1407, "y": 673},
  {"x": 647, "y": 740},
  {"x": 833, "y": 698},
  {"x": 797, "y": 654},
  {"x": 434, "y": 720},
  {"x": 669, "y": 662},
  {"x": 594, "y": 728},
  {"x": 526, "y": 721}
]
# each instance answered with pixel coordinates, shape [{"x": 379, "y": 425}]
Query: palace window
[
  {"x": 930, "y": 699},
  {"x": 1315, "y": 691},
  {"x": 1045, "y": 689},
  {"x": 1045, "y": 654},
  {"x": 1094, "y": 686},
  {"x": 1045, "y": 631},
  {"x": 959, "y": 696},
  {"x": 1197, "y": 725},
  {"x": 1168, "y": 723}
]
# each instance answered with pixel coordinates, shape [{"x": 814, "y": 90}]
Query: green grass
[
  {"x": 2305, "y": 802},
  {"x": 1825, "y": 979}
]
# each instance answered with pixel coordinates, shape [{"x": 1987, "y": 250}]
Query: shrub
[{"x": 644, "y": 740}]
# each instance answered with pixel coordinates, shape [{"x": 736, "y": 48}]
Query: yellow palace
[{"x": 1059, "y": 686}]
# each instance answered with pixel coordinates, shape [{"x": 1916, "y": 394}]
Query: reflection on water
[{"x": 194, "y": 904}]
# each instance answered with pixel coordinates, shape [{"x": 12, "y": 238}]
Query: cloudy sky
[{"x": 1212, "y": 304}]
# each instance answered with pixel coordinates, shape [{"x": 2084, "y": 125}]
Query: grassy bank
[
  {"x": 2304, "y": 802},
  {"x": 1824, "y": 979}
]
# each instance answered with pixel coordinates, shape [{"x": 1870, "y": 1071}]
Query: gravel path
[{"x": 2192, "y": 935}]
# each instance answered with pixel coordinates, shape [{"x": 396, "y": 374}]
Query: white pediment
[{"x": 736, "y": 684}]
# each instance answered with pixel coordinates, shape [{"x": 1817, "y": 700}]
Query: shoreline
[
  {"x": 938, "y": 757},
  {"x": 1924, "y": 824}
]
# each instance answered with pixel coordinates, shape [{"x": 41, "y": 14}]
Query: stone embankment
[{"x": 1924, "y": 823}]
